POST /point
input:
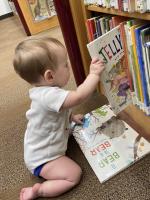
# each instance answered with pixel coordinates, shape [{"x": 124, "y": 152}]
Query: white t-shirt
[{"x": 47, "y": 131}]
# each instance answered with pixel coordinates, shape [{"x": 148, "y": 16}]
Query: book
[
  {"x": 145, "y": 37},
  {"x": 108, "y": 48},
  {"x": 131, "y": 62},
  {"x": 136, "y": 64},
  {"x": 109, "y": 144},
  {"x": 141, "y": 66},
  {"x": 116, "y": 20},
  {"x": 41, "y": 9},
  {"x": 124, "y": 43}
]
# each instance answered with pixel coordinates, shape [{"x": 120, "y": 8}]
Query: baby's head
[{"x": 42, "y": 61}]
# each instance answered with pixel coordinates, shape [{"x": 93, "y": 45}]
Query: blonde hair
[{"x": 33, "y": 56}]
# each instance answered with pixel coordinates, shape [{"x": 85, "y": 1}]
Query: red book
[
  {"x": 116, "y": 20},
  {"x": 92, "y": 28}
]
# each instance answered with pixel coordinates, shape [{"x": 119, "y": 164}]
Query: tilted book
[
  {"x": 108, "y": 48},
  {"x": 109, "y": 144}
]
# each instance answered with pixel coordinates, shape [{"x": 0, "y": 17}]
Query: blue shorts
[{"x": 38, "y": 169}]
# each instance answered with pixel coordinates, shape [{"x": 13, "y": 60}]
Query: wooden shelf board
[{"x": 144, "y": 16}]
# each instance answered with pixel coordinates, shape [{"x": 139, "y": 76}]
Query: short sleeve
[{"x": 54, "y": 97}]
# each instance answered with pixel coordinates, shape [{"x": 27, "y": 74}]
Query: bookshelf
[
  {"x": 30, "y": 26},
  {"x": 80, "y": 12}
]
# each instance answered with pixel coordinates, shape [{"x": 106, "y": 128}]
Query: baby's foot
[{"x": 30, "y": 192}]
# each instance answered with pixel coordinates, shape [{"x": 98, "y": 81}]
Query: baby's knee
[{"x": 77, "y": 174}]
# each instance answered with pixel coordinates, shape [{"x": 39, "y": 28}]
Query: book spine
[
  {"x": 124, "y": 42},
  {"x": 89, "y": 31},
  {"x": 141, "y": 99},
  {"x": 141, "y": 67},
  {"x": 130, "y": 57}
]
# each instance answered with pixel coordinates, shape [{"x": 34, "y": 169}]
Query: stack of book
[
  {"x": 135, "y": 42},
  {"x": 123, "y": 5}
]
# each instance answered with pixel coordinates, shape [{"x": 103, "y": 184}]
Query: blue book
[
  {"x": 141, "y": 63},
  {"x": 98, "y": 27}
]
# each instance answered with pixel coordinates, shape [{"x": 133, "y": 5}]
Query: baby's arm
[{"x": 87, "y": 87}]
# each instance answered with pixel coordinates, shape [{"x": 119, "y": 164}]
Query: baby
[{"x": 44, "y": 64}]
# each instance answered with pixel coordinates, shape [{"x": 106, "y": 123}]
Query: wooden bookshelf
[
  {"x": 145, "y": 16},
  {"x": 31, "y": 27},
  {"x": 132, "y": 115}
]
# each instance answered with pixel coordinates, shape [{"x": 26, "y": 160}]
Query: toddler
[{"x": 44, "y": 64}]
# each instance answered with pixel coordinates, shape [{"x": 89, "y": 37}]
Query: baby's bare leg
[{"x": 61, "y": 175}]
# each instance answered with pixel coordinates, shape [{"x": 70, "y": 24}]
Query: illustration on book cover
[
  {"x": 109, "y": 144},
  {"x": 108, "y": 48}
]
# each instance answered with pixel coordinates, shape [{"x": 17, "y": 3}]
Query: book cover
[
  {"x": 109, "y": 144},
  {"x": 108, "y": 48},
  {"x": 41, "y": 9}
]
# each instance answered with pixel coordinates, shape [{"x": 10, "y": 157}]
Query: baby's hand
[
  {"x": 96, "y": 67},
  {"x": 78, "y": 118}
]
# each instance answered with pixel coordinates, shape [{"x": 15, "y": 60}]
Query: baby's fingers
[{"x": 95, "y": 60}]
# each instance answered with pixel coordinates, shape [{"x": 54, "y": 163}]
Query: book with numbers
[
  {"x": 109, "y": 144},
  {"x": 109, "y": 49}
]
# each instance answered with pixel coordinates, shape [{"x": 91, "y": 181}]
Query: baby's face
[{"x": 62, "y": 73}]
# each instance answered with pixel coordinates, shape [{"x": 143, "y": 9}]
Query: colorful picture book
[
  {"x": 108, "y": 48},
  {"x": 109, "y": 144}
]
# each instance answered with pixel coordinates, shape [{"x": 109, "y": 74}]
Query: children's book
[
  {"x": 142, "y": 68},
  {"x": 108, "y": 48},
  {"x": 109, "y": 144}
]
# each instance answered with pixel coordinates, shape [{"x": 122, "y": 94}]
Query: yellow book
[{"x": 137, "y": 69}]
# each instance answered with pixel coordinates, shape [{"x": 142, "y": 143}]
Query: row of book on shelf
[
  {"x": 124, "y": 46},
  {"x": 123, "y": 5}
]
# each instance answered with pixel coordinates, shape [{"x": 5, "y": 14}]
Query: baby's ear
[{"x": 49, "y": 76}]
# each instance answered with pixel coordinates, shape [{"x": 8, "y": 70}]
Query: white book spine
[
  {"x": 99, "y": 2},
  {"x": 116, "y": 4},
  {"x": 148, "y": 5},
  {"x": 131, "y": 5},
  {"x": 125, "y": 5},
  {"x": 141, "y": 6}
]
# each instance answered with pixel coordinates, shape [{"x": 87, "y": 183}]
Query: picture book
[
  {"x": 41, "y": 9},
  {"x": 108, "y": 48},
  {"x": 109, "y": 144}
]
